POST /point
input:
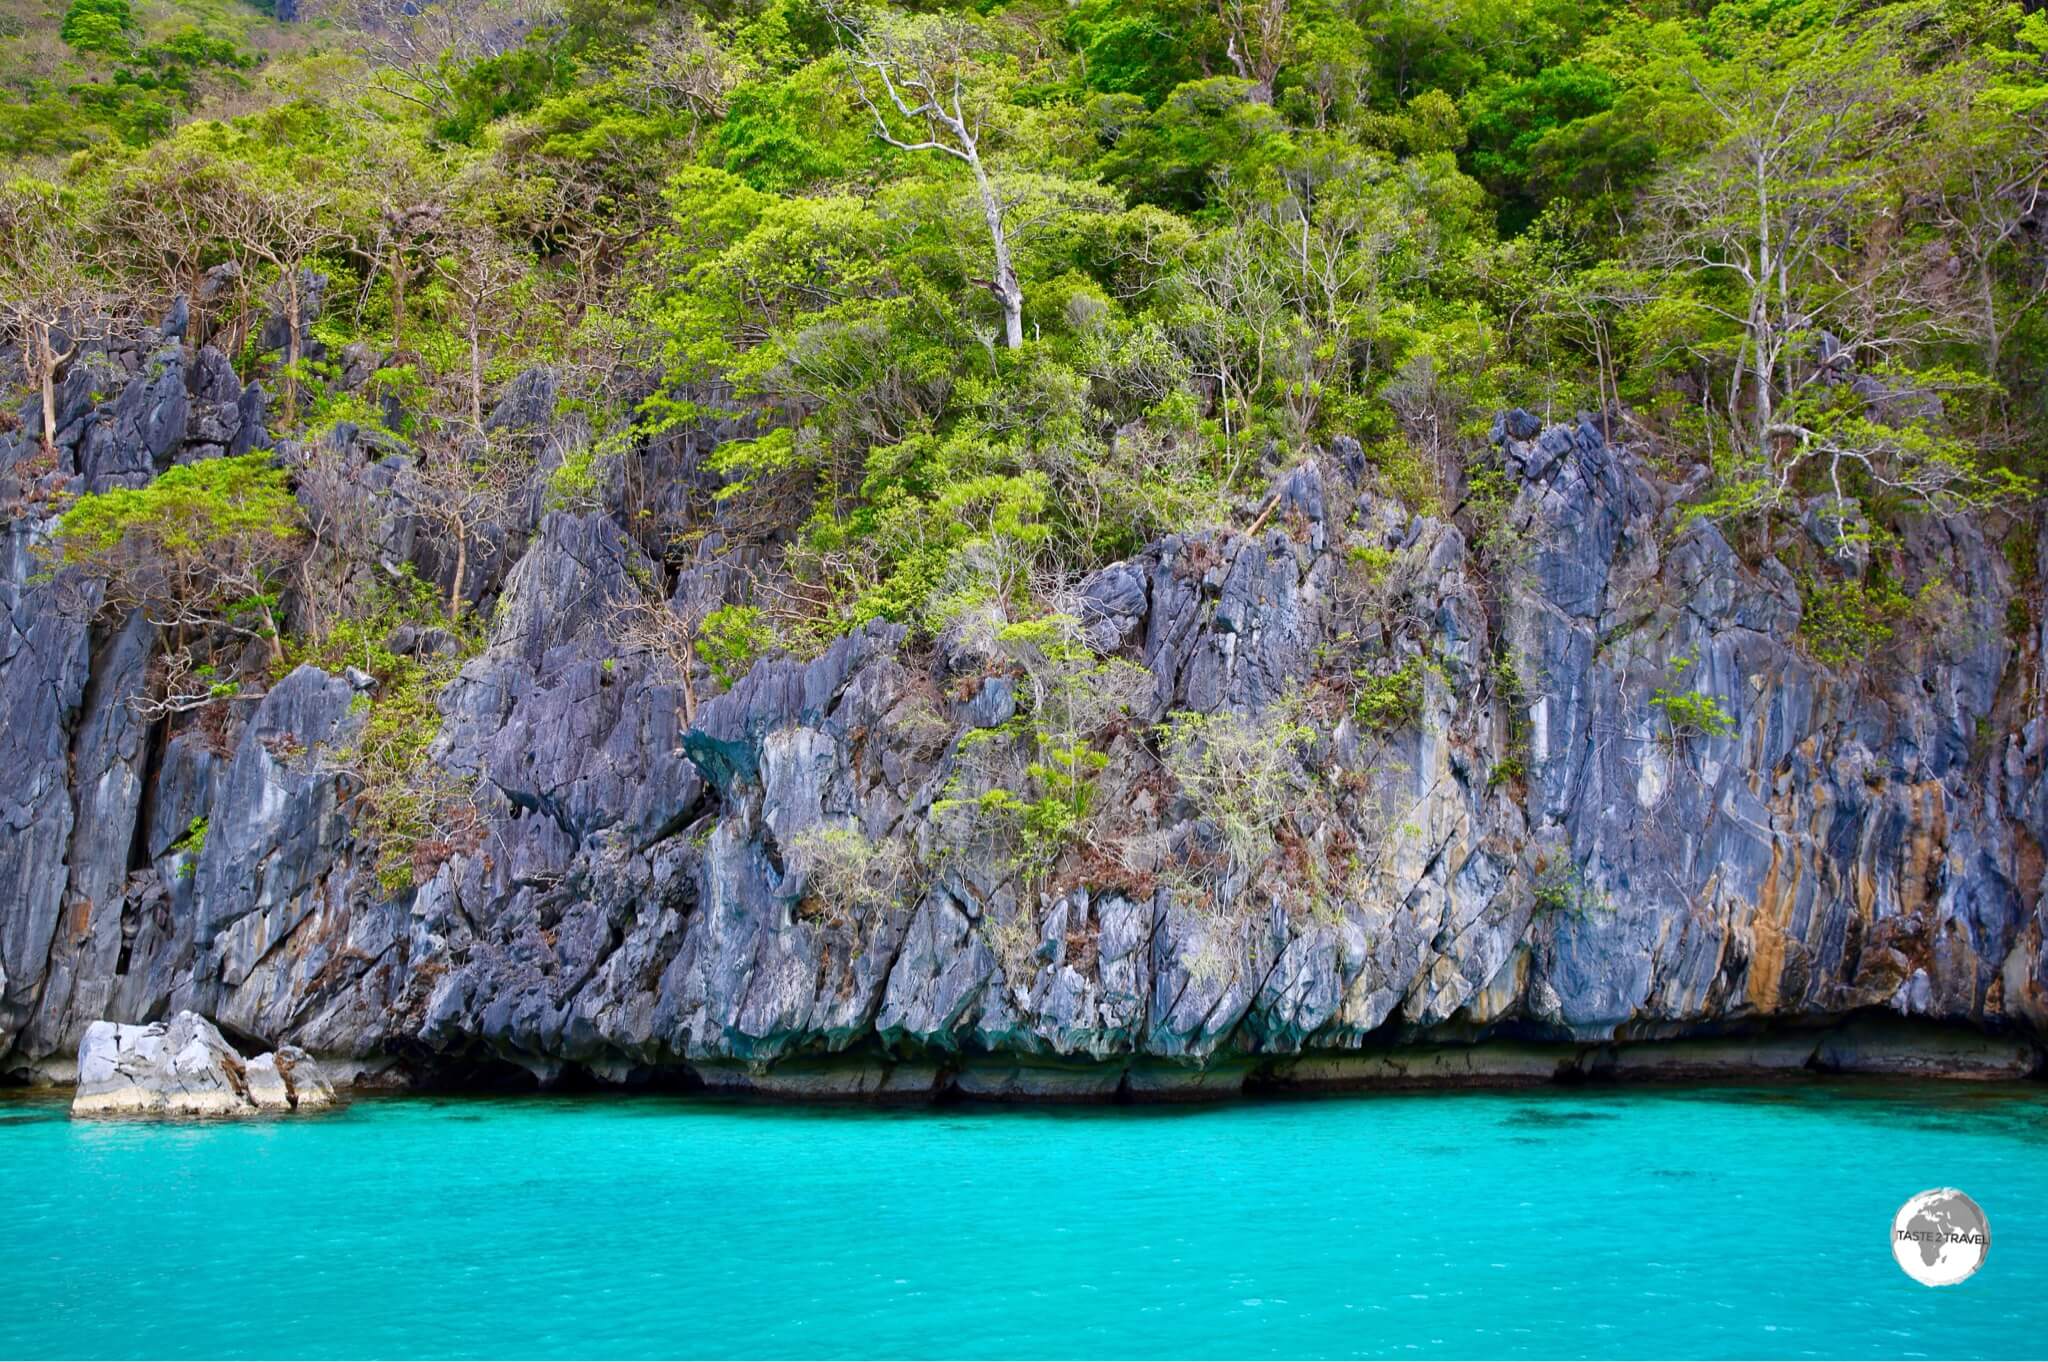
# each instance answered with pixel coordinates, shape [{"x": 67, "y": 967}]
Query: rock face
[
  {"x": 1578, "y": 797},
  {"x": 184, "y": 1068}
]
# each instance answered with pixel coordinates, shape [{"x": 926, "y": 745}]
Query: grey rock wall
[{"x": 1532, "y": 854}]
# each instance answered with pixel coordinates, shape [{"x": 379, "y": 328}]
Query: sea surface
[{"x": 1716, "y": 1222}]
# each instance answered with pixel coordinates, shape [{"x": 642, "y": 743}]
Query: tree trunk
[
  {"x": 1007, "y": 290},
  {"x": 271, "y": 635},
  {"x": 397, "y": 299},
  {"x": 195, "y": 329},
  {"x": 291, "y": 348},
  {"x": 461, "y": 572},
  {"x": 1988, "y": 300},
  {"x": 238, "y": 329},
  {"x": 1760, "y": 312},
  {"x": 46, "y": 372},
  {"x": 476, "y": 375}
]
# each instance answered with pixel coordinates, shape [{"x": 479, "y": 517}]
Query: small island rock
[{"x": 185, "y": 1067}]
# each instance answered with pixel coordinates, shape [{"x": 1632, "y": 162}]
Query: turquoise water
[{"x": 1720, "y": 1222}]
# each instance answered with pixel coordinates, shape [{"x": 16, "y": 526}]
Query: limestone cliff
[{"x": 1523, "y": 859}]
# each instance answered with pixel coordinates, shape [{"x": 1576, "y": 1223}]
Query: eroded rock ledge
[{"x": 1864, "y": 1047}]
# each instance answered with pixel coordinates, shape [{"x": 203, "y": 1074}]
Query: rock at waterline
[
  {"x": 184, "y": 1067},
  {"x": 288, "y": 1081}
]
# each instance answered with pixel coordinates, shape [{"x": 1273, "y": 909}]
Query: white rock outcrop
[{"x": 184, "y": 1067}]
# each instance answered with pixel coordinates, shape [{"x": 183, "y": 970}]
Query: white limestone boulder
[
  {"x": 266, "y": 1086},
  {"x": 185, "y": 1067},
  {"x": 305, "y": 1084}
]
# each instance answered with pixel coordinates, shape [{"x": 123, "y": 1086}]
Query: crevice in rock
[{"x": 154, "y": 743}]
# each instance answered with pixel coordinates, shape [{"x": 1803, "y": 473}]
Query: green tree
[
  {"x": 206, "y": 548},
  {"x": 922, "y": 84},
  {"x": 1779, "y": 237},
  {"x": 104, "y": 27}
]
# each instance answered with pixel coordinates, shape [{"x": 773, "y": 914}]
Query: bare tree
[
  {"x": 1255, "y": 38},
  {"x": 680, "y": 67},
  {"x": 666, "y": 635},
  {"x": 1780, "y": 208},
  {"x": 590, "y": 228},
  {"x": 404, "y": 230},
  {"x": 342, "y": 517},
  {"x": 464, "y": 484},
  {"x": 160, "y": 218},
  {"x": 478, "y": 272},
  {"x": 405, "y": 227},
  {"x": 1235, "y": 326},
  {"x": 284, "y": 227},
  {"x": 1759, "y": 209},
  {"x": 51, "y": 295},
  {"x": 179, "y": 683},
  {"x": 1993, "y": 179},
  {"x": 922, "y": 74},
  {"x": 416, "y": 49},
  {"x": 1430, "y": 412},
  {"x": 1334, "y": 247}
]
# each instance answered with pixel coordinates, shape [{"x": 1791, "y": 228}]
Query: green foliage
[
  {"x": 190, "y": 846},
  {"x": 1515, "y": 126},
  {"x": 1692, "y": 713},
  {"x": 1136, "y": 49},
  {"x": 1511, "y": 695},
  {"x": 791, "y": 133},
  {"x": 1068, "y": 696},
  {"x": 131, "y": 76},
  {"x": 1229, "y": 235},
  {"x": 1273, "y": 823},
  {"x": 1372, "y": 560},
  {"x": 1562, "y": 888},
  {"x": 731, "y": 639},
  {"x": 2024, "y": 560},
  {"x": 1847, "y": 621},
  {"x": 1049, "y": 815},
  {"x": 1171, "y": 156},
  {"x": 514, "y": 82},
  {"x": 99, "y": 26},
  {"x": 410, "y": 811},
  {"x": 1242, "y": 775},
  {"x": 191, "y": 509},
  {"x": 848, "y": 875},
  {"x": 204, "y": 545},
  {"x": 577, "y": 482},
  {"x": 1383, "y": 702},
  {"x": 1489, "y": 504}
]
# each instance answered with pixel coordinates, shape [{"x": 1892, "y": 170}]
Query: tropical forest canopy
[{"x": 999, "y": 292}]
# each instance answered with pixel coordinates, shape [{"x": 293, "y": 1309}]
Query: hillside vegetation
[{"x": 999, "y": 293}]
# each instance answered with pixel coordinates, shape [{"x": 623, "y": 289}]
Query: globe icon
[{"x": 1940, "y": 1237}]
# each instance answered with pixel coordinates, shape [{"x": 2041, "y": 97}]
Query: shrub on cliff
[
  {"x": 204, "y": 549},
  {"x": 412, "y": 811}
]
